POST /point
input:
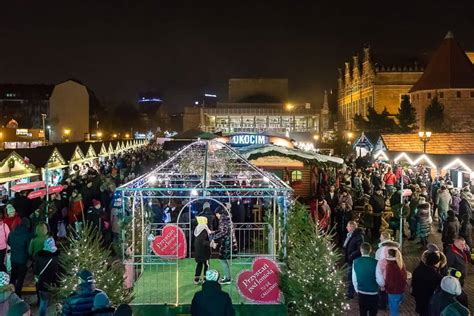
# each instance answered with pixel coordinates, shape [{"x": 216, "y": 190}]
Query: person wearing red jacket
[
  {"x": 12, "y": 219},
  {"x": 389, "y": 179},
  {"x": 395, "y": 280}
]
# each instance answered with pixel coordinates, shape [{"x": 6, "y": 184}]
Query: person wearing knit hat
[
  {"x": 81, "y": 301},
  {"x": 94, "y": 215},
  {"x": 46, "y": 271},
  {"x": 425, "y": 280},
  {"x": 211, "y": 300},
  {"x": 7, "y": 294},
  {"x": 212, "y": 275},
  {"x": 446, "y": 295},
  {"x": 102, "y": 305},
  {"x": 202, "y": 248}
]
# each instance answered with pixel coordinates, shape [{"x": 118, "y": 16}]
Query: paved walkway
[{"x": 411, "y": 254}]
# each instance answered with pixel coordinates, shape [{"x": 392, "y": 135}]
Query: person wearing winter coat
[
  {"x": 76, "y": 208},
  {"x": 19, "y": 241},
  {"x": 450, "y": 229},
  {"x": 202, "y": 248},
  {"x": 381, "y": 254},
  {"x": 363, "y": 279},
  {"x": 424, "y": 221},
  {"x": 443, "y": 200},
  {"x": 227, "y": 243},
  {"x": 4, "y": 232},
  {"x": 324, "y": 214},
  {"x": 455, "y": 200},
  {"x": 12, "y": 219},
  {"x": 377, "y": 201},
  {"x": 102, "y": 305},
  {"x": 46, "y": 270},
  {"x": 346, "y": 198},
  {"x": 465, "y": 216},
  {"x": 425, "y": 280},
  {"x": 458, "y": 257},
  {"x": 342, "y": 217},
  {"x": 81, "y": 301},
  {"x": 444, "y": 298},
  {"x": 8, "y": 298},
  {"x": 37, "y": 243},
  {"x": 94, "y": 215},
  {"x": 354, "y": 238},
  {"x": 395, "y": 280},
  {"x": 211, "y": 300}
]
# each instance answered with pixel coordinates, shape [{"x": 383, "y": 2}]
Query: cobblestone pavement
[{"x": 411, "y": 254}]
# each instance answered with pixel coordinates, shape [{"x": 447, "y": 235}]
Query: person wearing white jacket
[{"x": 381, "y": 254}]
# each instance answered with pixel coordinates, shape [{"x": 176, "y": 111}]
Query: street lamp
[
  {"x": 127, "y": 135},
  {"x": 99, "y": 135},
  {"x": 289, "y": 106},
  {"x": 43, "y": 116},
  {"x": 350, "y": 135},
  {"x": 425, "y": 138},
  {"x": 114, "y": 135},
  {"x": 316, "y": 137},
  {"x": 66, "y": 134}
]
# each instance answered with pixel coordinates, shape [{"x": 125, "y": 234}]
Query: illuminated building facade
[{"x": 366, "y": 84}]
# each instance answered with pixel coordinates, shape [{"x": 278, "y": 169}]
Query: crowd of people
[
  {"x": 31, "y": 229},
  {"x": 371, "y": 203}
]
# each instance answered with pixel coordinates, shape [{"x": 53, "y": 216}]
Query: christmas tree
[
  {"x": 312, "y": 282},
  {"x": 84, "y": 250}
]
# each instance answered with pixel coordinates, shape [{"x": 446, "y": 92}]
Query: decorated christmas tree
[
  {"x": 85, "y": 250},
  {"x": 312, "y": 282}
]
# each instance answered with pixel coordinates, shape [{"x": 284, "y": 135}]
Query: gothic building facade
[{"x": 368, "y": 84}]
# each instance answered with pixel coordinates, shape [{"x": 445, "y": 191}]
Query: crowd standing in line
[{"x": 373, "y": 202}]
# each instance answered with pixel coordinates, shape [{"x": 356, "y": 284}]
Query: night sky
[{"x": 182, "y": 49}]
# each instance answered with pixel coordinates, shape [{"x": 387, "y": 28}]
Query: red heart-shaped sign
[
  {"x": 261, "y": 284},
  {"x": 171, "y": 243}
]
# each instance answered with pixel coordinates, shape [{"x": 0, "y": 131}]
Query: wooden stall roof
[{"x": 439, "y": 144}]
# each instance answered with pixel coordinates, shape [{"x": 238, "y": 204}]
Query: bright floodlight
[{"x": 152, "y": 179}]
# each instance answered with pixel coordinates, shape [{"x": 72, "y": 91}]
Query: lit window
[
  {"x": 458, "y": 94},
  {"x": 296, "y": 175},
  {"x": 441, "y": 95},
  {"x": 428, "y": 95}
]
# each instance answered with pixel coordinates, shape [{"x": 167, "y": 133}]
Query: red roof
[
  {"x": 439, "y": 144},
  {"x": 449, "y": 68}
]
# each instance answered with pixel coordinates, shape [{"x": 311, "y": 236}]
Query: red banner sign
[
  {"x": 42, "y": 192},
  {"x": 28, "y": 186},
  {"x": 171, "y": 243},
  {"x": 260, "y": 285}
]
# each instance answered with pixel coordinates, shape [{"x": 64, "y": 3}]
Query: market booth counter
[
  {"x": 15, "y": 170},
  {"x": 49, "y": 161}
]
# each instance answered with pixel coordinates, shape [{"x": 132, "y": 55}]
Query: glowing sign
[
  {"x": 248, "y": 139},
  {"x": 150, "y": 100},
  {"x": 210, "y": 95}
]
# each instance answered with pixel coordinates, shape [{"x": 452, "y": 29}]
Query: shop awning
[
  {"x": 257, "y": 151},
  {"x": 20, "y": 176}
]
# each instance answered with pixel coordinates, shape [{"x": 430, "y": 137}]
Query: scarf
[
  {"x": 349, "y": 235},
  {"x": 199, "y": 228}
]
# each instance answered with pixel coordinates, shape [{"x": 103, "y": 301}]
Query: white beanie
[
  {"x": 451, "y": 285},
  {"x": 212, "y": 275}
]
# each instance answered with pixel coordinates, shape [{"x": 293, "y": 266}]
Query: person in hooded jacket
[
  {"x": 46, "y": 270},
  {"x": 12, "y": 219},
  {"x": 445, "y": 297},
  {"x": 8, "y": 298},
  {"x": 19, "y": 241},
  {"x": 211, "y": 300},
  {"x": 450, "y": 229},
  {"x": 202, "y": 248},
  {"x": 81, "y": 301},
  {"x": 425, "y": 280},
  {"x": 225, "y": 237}
]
